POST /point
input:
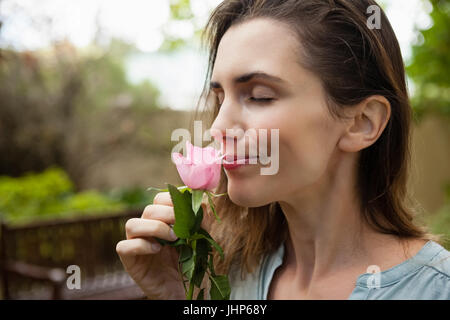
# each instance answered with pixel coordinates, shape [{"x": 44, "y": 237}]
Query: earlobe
[{"x": 367, "y": 123}]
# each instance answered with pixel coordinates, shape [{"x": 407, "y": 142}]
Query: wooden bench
[{"x": 34, "y": 259}]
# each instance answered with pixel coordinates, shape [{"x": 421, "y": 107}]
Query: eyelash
[
  {"x": 253, "y": 99},
  {"x": 261, "y": 100}
]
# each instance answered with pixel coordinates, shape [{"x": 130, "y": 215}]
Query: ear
[{"x": 366, "y": 123}]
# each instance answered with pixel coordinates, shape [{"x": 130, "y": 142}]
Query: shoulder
[
  {"x": 433, "y": 280},
  {"x": 440, "y": 262},
  {"x": 433, "y": 260},
  {"x": 425, "y": 276}
]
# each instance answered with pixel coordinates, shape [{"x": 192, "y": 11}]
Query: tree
[
  {"x": 61, "y": 106},
  {"x": 430, "y": 64}
]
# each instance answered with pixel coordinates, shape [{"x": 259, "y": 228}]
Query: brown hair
[{"x": 353, "y": 63}]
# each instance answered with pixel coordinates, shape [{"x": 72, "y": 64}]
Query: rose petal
[{"x": 201, "y": 168}]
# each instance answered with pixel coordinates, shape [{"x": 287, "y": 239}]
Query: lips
[
  {"x": 230, "y": 166},
  {"x": 231, "y": 162},
  {"x": 235, "y": 159}
]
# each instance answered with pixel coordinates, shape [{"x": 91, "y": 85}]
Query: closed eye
[
  {"x": 252, "y": 99},
  {"x": 262, "y": 100}
]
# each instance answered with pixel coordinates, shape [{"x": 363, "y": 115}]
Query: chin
[{"x": 245, "y": 197}]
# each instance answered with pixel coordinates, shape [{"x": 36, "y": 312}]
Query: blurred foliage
[
  {"x": 135, "y": 197},
  {"x": 430, "y": 64},
  {"x": 75, "y": 109},
  {"x": 50, "y": 194},
  {"x": 440, "y": 224},
  {"x": 440, "y": 221},
  {"x": 47, "y": 195},
  {"x": 180, "y": 12},
  {"x": 61, "y": 103}
]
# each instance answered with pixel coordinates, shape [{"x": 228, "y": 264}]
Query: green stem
[{"x": 191, "y": 291}]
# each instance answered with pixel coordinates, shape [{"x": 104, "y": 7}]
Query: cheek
[
  {"x": 307, "y": 142},
  {"x": 307, "y": 138}
]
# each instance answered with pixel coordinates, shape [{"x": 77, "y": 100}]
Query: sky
[
  {"x": 138, "y": 21},
  {"x": 141, "y": 22}
]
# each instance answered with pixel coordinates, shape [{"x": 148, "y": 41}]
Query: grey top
[{"x": 425, "y": 276}]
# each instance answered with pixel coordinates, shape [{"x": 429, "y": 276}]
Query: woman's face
[{"x": 293, "y": 102}]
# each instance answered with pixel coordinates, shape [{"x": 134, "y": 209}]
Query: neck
[{"x": 326, "y": 229}]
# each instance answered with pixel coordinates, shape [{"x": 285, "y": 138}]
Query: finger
[
  {"x": 159, "y": 212},
  {"x": 163, "y": 198},
  {"x": 138, "y": 246},
  {"x": 136, "y": 227}
]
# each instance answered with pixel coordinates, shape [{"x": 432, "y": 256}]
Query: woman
[{"x": 336, "y": 210}]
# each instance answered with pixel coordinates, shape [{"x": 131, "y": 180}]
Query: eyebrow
[{"x": 247, "y": 77}]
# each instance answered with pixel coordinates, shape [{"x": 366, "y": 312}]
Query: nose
[
  {"x": 228, "y": 124},
  {"x": 227, "y": 139}
]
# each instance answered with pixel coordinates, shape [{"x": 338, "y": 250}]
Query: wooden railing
[{"x": 34, "y": 259}]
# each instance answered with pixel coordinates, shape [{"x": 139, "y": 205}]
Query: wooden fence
[{"x": 34, "y": 259}]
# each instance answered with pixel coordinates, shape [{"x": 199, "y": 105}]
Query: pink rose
[{"x": 201, "y": 167}]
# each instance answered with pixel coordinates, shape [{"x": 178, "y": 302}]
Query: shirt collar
[{"x": 394, "y": 274}]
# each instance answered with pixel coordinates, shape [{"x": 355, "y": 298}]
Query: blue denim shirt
[{"x": 424, "y": 276}]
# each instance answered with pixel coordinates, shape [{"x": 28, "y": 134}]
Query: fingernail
[
  {"x": 173, "y": 235},
  {"x": 156, "y": 246}
]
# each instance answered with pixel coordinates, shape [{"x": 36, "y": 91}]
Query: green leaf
[
  {"x": 201, "y": 261},
  {"x": 203, "y": 233},
  {"x": 184, "y": 188},
  {"x": 187, "y": 267},
  {"x": 211, "y": 265},
  {"x": 184, "y": 216},
  {"x": 181, "y": 189},
  {"x": 203, "y": 249},
  {"x": 211, "y": 204},
  {"x": 174, "y": 243},
  {"x": 220, "y": 287},
  {"x": 197, "y": 196},
  {"x": 201, "y": 294},
  {"x": 185, "y": 253},
  {"x": 198, "y": 221},
  {"x": 199, "y": 272},
  {"x": 178, "y": 242}
]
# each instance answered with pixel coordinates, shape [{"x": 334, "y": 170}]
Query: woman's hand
[{"x": 152, "y": 266}]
